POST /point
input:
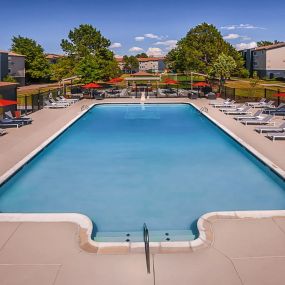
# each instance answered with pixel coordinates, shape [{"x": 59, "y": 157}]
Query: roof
[
  {"x": 271, "y": 46},
  {"x": 53, "y": 56},
  {"x": 142, "y": 73},
  {"x": 11, "y": 53},
  {"x": 119, "y": 59},
  {"x": 141, "y": 59},
  {"x": 3, "y": 84}
]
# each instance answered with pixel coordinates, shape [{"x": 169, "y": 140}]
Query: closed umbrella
[{"x": 4, "y": 102}]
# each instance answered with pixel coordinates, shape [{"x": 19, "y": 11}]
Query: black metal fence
[{"x": 34, "y": 102}]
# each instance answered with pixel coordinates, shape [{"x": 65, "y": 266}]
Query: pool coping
[{"x": 205, "y": 235}]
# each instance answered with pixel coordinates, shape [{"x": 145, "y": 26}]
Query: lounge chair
[
  {"x": 68, "y": 99},
  {"x": 59, "y": 102},
  {"x": 233, "y": 107},
  {"x": 25, "y": 120},
  {"x": 264, "y": 121},
  {"x": 276, "y": 129},
  {"x": 2, "y": 132},
  {"x": 6, "y": 123},
  {"x": 239, "y": 111},
  {"x": 252, "y": 104},
  {"x": 275, "y": 136},
  {"x": 225, "y": 104},
  {"x": 280, "y": 110},
  {"x": 215, "y": 103},
  {"x": 256, "y": 115},
  {"x": 264, "y": 105},
  {"x": 53, "y": 105}
]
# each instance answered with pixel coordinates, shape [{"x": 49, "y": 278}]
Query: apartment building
[
  {"x": 53, "y": 58},
  {"x": 12, "y": 64},
  {"x": 150, "y": 64},
  {"x": 267, "y": 61}
]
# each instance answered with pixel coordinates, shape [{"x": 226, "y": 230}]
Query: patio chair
[
  {"x": 263, "y": 105},
  {"x": 68, "y": 99},
  {"x": 53, "y": 105},
  {"x": 256, "y": 115},
  {"x": 275, "y": 136},
  {"x": 274, "y": 129},
  {"x": 264, "y": 121},
  {"x": 252, "y": 104},
  {"x": 6, "y": 123},
  {"x": 2, "y": 132},
  {"x": 59, "y": 102},
  {"x": 224, "y": 104},
  {"x": 215, "y": 103},
  {"x": 280, "y": 110},
  {"x": 233, "y": 107},
  {"x": 239, "y": 111},
  {"x": 25, "y": 120},
  {"x": 211, "y": 96}
]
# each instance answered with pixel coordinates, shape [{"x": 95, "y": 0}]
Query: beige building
[
  {"x": 16, "y": 67},
  {"x": 269, "y": 61},
  {"x": 151, "y": 64}
]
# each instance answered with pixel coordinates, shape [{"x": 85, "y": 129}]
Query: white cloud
[
  {"x": 169, "y": 43},
  {"x": 236, "y": 36},
  {"x": 241, "y": 26},
  {"x": 116, "y": 45},
  {"x": 242, "y": 46},
  {"x": 136, "y": 49},
  {"x": 152, "y": 36},
  {"x": 154, "y": 51},
  {"x": 139, "y": 39}
]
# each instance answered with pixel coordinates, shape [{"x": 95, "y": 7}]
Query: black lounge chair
[
  {"x": 25, "y": 120},
  {"x": 6, "y": 123}
]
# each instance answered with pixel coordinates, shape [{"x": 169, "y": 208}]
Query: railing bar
[{"x": 146, "y": 247}]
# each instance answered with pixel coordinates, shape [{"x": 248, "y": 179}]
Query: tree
[
  {"x": 142, "y": 55},
  {"x": 267, "y": 43},
  {"x": 223, "y": 67},
  {"x": 254, "y": 81},
  {"x": 131, "y": 63},
  {"x": 36, "y": 64},
  {"x": 199, "y": 49},
  {"x": 63, "y": 68},
  {"x": 88, "y": 50},
  {"x": 9, "y": 78}
]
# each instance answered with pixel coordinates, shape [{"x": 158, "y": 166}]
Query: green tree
[
  {"x": 63, "y": 68},
  {"x": 9, "y": 78},
  {"x": 142, "y": 55},
  {"x": 254, "y": 81},
  {"x": 199, "y": 49},
  {"x": 131, "y": 63},
  {"x": 267, "y": 43},
  {"x": 223, "y": 67},
  {"x": 90, "y": 54},
  {"x": 36, "y": 64}
]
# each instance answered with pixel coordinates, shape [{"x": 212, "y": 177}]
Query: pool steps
[{"x": 155, "y": 236}]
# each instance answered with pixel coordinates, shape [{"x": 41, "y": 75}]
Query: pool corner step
[{"x": 155, "y": 236}]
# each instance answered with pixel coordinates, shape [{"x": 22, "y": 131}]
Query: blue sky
[{"x": 136, "y": 26}]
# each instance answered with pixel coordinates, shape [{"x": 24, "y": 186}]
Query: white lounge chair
[
  {"x": 215, "y": 102},
  {"x": 264, "y": 121},
  {"x": 53, "y": 105},
  {"x": 233, "y": 107},
  {"x": 239, "y": 111},
  {"x": 256, "y": 115},
  {"x": 225, "y": 104},
  {"x": 252, "y": 104},
  {"x": 275, "y": 136},
  {"x": 276, "y": 129}
]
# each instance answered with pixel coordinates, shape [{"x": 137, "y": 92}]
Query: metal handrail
[
  {"x": 204, "y": 109},
  {"x": 146, "y": 247}
]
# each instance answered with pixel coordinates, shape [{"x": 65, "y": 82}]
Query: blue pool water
[{"x": 123, "y": 165}]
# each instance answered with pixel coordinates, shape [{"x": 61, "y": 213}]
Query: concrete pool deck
[{"x": 243, "y": 250}]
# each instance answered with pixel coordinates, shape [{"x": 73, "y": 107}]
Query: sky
[{"x": 141, "y": 26}]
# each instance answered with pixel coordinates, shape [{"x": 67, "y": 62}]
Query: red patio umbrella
[
  {"x": 170, "y": 81},
  {"x": 115, "y": 80},
  {"x": 4, "y": 102},
  {"x": 201, "y": 84},
  {"x": 279, "y": 95},
  {"x": 91, "y": 86}
]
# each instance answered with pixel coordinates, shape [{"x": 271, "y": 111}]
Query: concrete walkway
[{"x": 244, "y": 251}]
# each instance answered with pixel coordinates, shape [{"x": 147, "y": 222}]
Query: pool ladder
[
  {"x": 146, "y": 247},
  {"x": 84, "y": 107},
  {"x": 204, "y": 109}
]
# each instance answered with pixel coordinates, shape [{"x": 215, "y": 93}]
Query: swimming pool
[{"x": 160, "y": 164}]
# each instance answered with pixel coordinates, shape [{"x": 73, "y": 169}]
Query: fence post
[
  {"x": 265, "y": 93},
  {"x": 225, "y": 92},
  {"x": 26, "y": 105},
  {"x": 234, "y": 91}
]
